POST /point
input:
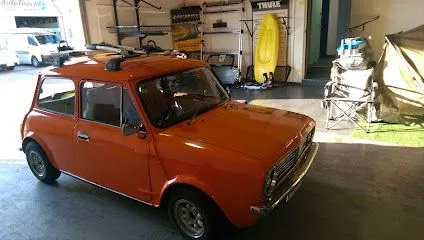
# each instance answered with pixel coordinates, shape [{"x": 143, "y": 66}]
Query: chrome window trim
[
  {"x": 37, "y": 105},
  {"x": 121, "y": 105},
  {"x": 105, "y": 188},
  {"x": 81, "y": 108},
  {"x": 54, "y": 112},
  {"x": 105, "y": 124}
]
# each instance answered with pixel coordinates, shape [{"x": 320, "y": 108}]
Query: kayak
[{"x": 266, "y": 54}]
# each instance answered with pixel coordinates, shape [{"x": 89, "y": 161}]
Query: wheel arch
[
  {"x": 181, "y": 184},
  {"x": 31, "y": 138},
  {"x": 38, "y": 57},
  {"x": 26, "y": 141},
  {"x": 172, "y": 187}
]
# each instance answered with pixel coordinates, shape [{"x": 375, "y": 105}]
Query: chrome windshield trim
[{"x": 97, "y": 185}]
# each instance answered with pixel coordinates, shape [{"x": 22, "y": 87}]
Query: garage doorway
[{"x": 327, "y": 24}]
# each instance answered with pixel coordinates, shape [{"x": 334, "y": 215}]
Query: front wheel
[
  {"x": 35, "y": 62},
  {"x": 11, "y": 68},
  {"x": 195, "y": 215},
  {"x": 39, "y": 163}
]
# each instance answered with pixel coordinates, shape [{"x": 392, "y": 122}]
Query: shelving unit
[
  {"x": 139, "y": 31},
  {"x": 229, "y": 7}
]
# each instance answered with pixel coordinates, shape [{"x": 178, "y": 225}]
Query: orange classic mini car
[{"x": 163, "y": 131}]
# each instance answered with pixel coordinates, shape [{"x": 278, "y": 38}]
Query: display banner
[
  {"x": 261, "y": 5},
  {"x": 185, "y": 31},
  {"x": 42, "y": 8}
]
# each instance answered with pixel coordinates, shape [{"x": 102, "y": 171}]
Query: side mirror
[{"x": 130, "y": 129}]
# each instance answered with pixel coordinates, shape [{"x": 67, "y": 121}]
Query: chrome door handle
[{"x": 83, "y": 136}]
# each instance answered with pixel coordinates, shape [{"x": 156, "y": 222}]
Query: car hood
[{"x": 260, "y": 132}]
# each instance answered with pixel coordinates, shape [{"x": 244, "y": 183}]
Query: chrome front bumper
[{"x": 307, "y": 160}]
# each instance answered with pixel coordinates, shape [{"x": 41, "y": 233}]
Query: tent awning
[{"x": 400, "y": 77}]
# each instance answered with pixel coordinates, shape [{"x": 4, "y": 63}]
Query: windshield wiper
[
  {"x": 195, "y": 112},
  {"x": 164, "y": 117}
]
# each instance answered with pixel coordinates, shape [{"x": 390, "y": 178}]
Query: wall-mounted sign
[
  {"x": 28, "y": 8},
  {"x": 185, "y": 31},
  {"x": 266, "y": 5}
]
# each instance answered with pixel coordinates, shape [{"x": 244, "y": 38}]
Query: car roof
[{"x": 140, "y": 68}]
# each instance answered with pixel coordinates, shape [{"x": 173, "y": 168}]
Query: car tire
[
  {"x": 194, "y": 214},
  {"x": 11, "y": 68},
  {"x": 35, "y": 62},
  {"x": 39, "y": 163}
]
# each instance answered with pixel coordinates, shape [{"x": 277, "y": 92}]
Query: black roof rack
[{"x": 125, "y": 52}]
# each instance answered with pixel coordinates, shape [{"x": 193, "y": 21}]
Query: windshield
[
  {"x": 47, "y": 39},
  {"x": 180, "y": 96}
]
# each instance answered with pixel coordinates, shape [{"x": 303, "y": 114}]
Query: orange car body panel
[{"x": 225, "y": 153}]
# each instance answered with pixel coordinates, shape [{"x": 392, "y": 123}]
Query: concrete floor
[{"x": 353, "y": 191}]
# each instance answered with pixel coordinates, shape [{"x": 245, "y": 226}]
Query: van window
[
  {"x": 31, "y": 41},
  {"x": 102, "y": 102},
  {"x": 47, "y": 39},
  {"x": 57, "y": 95}
]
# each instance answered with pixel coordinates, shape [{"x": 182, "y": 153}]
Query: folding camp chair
[
  {"x": 347, "y": 95},
  {"x": 223, "y": 66}
]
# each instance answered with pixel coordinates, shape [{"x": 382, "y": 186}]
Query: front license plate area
[{"x": 293, "y": 191}]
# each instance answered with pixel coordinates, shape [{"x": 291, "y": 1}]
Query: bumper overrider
[{"x": 290, "y": 186}]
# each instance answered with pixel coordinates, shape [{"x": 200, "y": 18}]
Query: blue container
[{"x": 353, "y": 44}]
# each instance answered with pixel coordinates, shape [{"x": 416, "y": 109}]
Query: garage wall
[
  {"x": 100, "y": 15},
  {"x": 71, "y": 23},
  {"x": 7, "y": 22},
  {"x": 395, "y": 16},
  {"x": 333, "y": 18}
]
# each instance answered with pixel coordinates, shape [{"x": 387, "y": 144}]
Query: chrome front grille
[
  {"x": 289, "y": 161},
  {"x": 284, "y": 166}
]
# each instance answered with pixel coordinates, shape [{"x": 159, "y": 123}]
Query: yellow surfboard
[{"x": 266, "y": 54}]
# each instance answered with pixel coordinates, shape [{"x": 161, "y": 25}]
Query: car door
[
  {"x": 53, "y": 119},
  {"x": 105, "y": 156}
]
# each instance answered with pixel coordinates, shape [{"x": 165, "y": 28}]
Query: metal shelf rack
[
  {"x": 227, "y": 7},
  {"x": 139, "y": 31}
]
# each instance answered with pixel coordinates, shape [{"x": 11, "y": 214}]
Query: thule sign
[{"x": 261, "y": 5}]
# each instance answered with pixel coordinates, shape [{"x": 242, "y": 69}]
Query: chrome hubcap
[
  {"x": 36, "y": 163},
  {"x": 189, "y": 218}
]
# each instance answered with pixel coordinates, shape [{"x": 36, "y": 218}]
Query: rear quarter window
[{"x": 57, "y": 95}]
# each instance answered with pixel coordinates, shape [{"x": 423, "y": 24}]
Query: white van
[
  {"x": 35, "y": 46},
  {"x": 8, "y": 58}
]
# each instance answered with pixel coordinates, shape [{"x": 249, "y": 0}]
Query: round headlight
[{"x": 269, "y": 183}]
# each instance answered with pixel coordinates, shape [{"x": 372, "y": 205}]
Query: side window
[
  {"x": 101, "y": 102},
  {"x": 31, "y": 41},
  {"x": 129, "y": 112},
  {"x": 57, "y": 95}
]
